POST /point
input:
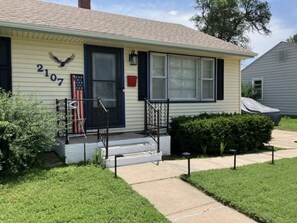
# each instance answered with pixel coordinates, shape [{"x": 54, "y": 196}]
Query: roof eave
[{"x": 100, "y": 35}]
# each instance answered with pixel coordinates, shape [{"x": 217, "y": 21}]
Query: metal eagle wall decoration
[{"x": 60, "y": 62}]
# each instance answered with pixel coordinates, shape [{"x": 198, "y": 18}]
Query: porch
[{"x": 76, "y": 143}]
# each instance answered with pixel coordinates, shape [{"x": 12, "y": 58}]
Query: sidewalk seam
[
  {"x": 155, "y": 180},
  {"x": 187, "y": 209}
]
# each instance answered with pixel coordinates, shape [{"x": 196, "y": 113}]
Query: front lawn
[
  {"x": 288, "y": 123},
  {"x": 72, "y": 194},
  {"x": 264, "y": 192}
]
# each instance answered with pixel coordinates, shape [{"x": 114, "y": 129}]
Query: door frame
[
  {"x": 88, "y": 50},
  {"x": 8, "y": 39}
]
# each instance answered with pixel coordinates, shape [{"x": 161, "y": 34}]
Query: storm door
[{"x": 105, "y": 81}]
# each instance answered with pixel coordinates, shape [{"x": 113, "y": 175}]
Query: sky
[{"x": 282, "y": 24}]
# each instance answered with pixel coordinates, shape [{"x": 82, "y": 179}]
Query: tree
[
  {"x": 292, "y": 39},
  {"x": 248, "y": 91},
  {"x": 229, "y": 20}
]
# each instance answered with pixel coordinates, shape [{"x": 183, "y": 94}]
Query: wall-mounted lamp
[{"x": 133, "y": 58}]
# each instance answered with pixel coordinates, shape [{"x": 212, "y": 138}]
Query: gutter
[{"x": 98, "y": 35}]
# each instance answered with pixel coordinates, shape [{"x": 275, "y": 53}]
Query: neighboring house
[
  {"x": 197, "y": 72},
  {"x": 274, "y": 77}
]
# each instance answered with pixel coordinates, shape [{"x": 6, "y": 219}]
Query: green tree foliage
[
  {"x": 229, "y": 20},
  {"x": 26, "y": 129},
  {"x": 292, "y": 39},
  {"x": 248, "y": 91}
]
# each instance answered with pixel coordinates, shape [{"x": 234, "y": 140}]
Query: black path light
[
  {"x": 115, "y": 163},
  {"x": 272, "y": 153},
  {"x": 234, "y": 152},
  {"x": 188, "y": 156}
]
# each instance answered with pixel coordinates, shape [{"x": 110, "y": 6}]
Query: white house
[{"x": 119, "y": 59}]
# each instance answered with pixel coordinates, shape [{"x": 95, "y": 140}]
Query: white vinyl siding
[{"x": 26, "y": 54}]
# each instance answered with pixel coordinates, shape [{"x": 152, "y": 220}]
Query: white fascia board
[{"x": 108, "y": 36}]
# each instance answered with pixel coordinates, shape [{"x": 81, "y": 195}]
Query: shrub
[
  {"x": 26, "y": 129},
  {"x": 219, "y": 133}
]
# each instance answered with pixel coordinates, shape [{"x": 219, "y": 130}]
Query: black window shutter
[
  {"x": 5, "y": 64},
  {"x": 220, "y": 79},
  {"x": 142, "y": 75}
]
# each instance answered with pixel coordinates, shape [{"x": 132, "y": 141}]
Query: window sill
[{"x": 174, "y": 101}]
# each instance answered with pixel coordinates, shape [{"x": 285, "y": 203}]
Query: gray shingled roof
[{"x": 34, "y": 14}]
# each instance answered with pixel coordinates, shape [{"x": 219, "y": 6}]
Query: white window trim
[
  {"x": 210, "y": 79},
  {"x": 262, "y": 85},
  {"x": 199, "y": 78},
  {"x": 196, "y": 73},
  {"x": 160, "y": 77}
]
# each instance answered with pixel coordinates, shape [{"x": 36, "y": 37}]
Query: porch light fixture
[{"x": 133, "y": 58}]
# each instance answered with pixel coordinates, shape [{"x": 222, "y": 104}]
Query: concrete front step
[
  {"x": 134, "y": 158},
  {"x": 131, "y": 148}
]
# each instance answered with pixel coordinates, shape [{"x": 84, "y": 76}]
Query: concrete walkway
[
  {"x": 284, "y": 139},
  {"x": 179, "y": 201}
]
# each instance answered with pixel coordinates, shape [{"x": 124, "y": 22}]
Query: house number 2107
[{"x": 53, "y": 77}]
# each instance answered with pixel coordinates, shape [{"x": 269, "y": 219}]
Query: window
[
  {"x": 104, "y": 79},
  {"x": 181, "y": 78},
  {"x": 159, "y": 76},
  {"x": 258, "y": 88},
  {"x": 207, "y": 73}
]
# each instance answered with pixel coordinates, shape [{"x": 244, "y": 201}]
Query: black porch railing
[
  {"x": 156, "y": 118},
  {"x": 72, "y": 116},
  {"x": 103, "y": 126}
]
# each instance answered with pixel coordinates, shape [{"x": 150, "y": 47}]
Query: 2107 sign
[{"x": 53, "y": 77}]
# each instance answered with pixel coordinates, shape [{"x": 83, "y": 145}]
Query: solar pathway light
[
  {"x": 115, "y": 163},
  {"x": 188, "y": 156},
  {"x": 234, "y": 152},
  {"x": 272, "y": 151}
]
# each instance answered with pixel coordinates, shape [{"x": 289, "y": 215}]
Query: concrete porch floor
[{"x": 92, "y": 137}]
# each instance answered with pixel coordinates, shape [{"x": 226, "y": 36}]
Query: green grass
[
  {"x": 264, "y": 192},
  {"x": 72, "y": 194},
  {"x": 288, "y": 123}
]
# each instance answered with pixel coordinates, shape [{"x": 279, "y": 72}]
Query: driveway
[{"x": 284, "y": 139}]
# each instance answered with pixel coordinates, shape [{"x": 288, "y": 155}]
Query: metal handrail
[
  {"x": 63, "y": 109},
  {"x": 152, "y": 123},
  {"x": 156, "y": 116},
  {"x": 163, "y": 107},
  {"x": 103, "y": 133}
]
